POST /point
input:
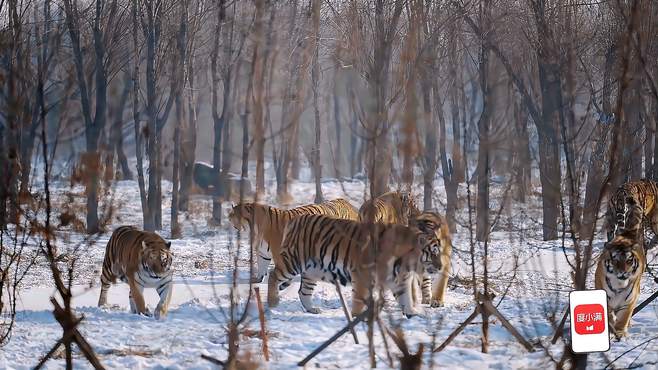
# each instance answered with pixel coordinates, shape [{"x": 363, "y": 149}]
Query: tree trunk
[
  {"x": 175, "y": 227},
  {"x": 597, "y": 162},
  {"x": 116, "y": 135},
  {"x": 457, "y": 89},
  {"x": 522, "y": 157},
  {"x": 378, "y": 151},
  {"x": 178, "y": 85},
  {"x": 338, "y": 167},
  {"x": 549, "y": 175},
  {"x": 549, "y": 153},
  {"x": 188, "y": 140},
  {"x": 26, "y": 150},
  {"x": 136, "y": 113},
  {"x": 633, "y": 112},
  {"x": 288, "y": 118},
  {"x": 654, "y": 115},
  {"x": 430, "y": 157},
  {"x": 315, "y": 76},
  {"x": 93, "y": 125},
  {"x": 649, "y": 127},
  {"x": 4, "y": 180},
  {"x": 218, "y": 121},
  {"x": 483, "y": 166},
  {"x": 449, "y": 181},
  {"x": 259, "y": 64}
]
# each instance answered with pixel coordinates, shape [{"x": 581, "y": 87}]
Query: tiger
[
  {"x": 268, "y": 223},
  {"x": 320, "y": 248},
  {"x": 141, "y": 259},
  {"x": 619, "y": 272},
  {"x": 394, "y": 207},
  {"x": 632, "y": 207},
  {"x": 427, "y": 222},
  {"x": 399, "y": 207}
]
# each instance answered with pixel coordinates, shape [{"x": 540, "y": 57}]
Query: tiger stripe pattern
[
  {"x": 320, "y": 248},
  {"x": 267, "y": 224},
  {"x": 619, "y": 272},
  {"x": 394, "y": 207},
  {"x": 143, "y": 260},
  {"x": 400, "y": 208},
  {"x": 632, "y": 207},
  {"x": 433, "y": 222}
]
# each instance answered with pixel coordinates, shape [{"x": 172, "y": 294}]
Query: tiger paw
[
  {"x": 436, "y": 303},
  {"x": 313, "y": 310},
  {"x": 159, "y": 314},
  {"x": 425, "y": 301},
  {"x": 620, "y": 335},
  {"x": 411, "y": 313},
  {"x": 272, "y": 301}
]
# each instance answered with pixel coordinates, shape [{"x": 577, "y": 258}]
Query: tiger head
[
  {"x": 430, "y": 224},
  {"x": 240, "y": 215},
  {"x": 156, "y": 257},
  {"x": 623, "y": 257}
]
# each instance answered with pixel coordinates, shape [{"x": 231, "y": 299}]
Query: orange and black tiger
[
  {"x": 619, "y": 272},
  {"x": 143, "y": 260},
  {"x": 632, "y": 208},
  {"x": 267, "y": 224},
  {"x": 399, "y": 207},
  {"x": 433, "y": 222},
  {"x": 320, "y": 248},
  {"x": 394, "y": 207}
]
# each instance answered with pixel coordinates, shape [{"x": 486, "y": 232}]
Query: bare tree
[
  {"x": 315, "y": 77},
  {"x": 151, "y": 15},
  {"x": 104, "y": 21}
]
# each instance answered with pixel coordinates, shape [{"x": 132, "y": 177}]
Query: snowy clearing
[{"x": 195, "y": 324}]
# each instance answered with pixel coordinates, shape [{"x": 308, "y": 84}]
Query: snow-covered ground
[{"x": 203, "y": 260}]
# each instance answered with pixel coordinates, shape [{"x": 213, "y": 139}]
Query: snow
[{"x": 203, "y": 260}]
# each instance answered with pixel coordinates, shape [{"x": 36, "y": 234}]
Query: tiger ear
[{"x": 168, "y": 245}]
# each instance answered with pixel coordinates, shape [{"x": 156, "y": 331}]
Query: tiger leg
[
  {"x": 276, "y": 280},
  {"x": 264, "y": 258},
  {"x": 653, "y": 241},
  {"x": 105, "y": 286},
  {"x": 107, "y": 278},
  {"x": 426, "y": 288},
  {"x": 164, "y": 291},
  {"x": 402, "y": 293},
  {"x": 623, "y": 319},
  {"x": 137, "y": 304},
  {"x": 359, "y": 296},
  {"x": 306, "y": 294},
  {"x": 438, "y": 295}
]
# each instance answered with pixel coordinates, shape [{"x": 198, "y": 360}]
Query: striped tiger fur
[
  {"x": 433, "y": 222},
  {"x": 394, "y": 207},
  {"x": 399, "y": 207},
  {"x": 320, "y": 248},
  {"x": 267, "y": 224},
  {"x": 619, "y": 272},
  {"x": 632, "y": 207},
  {"x": 143, "y": 260}
]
